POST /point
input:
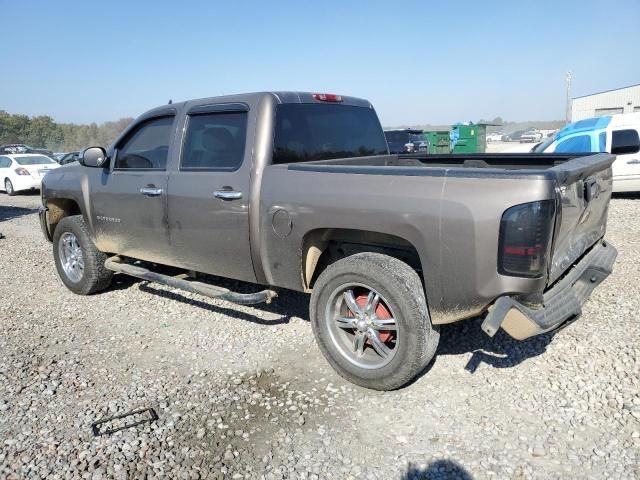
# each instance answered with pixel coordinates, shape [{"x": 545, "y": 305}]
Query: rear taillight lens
[
  {"x": 22, "y": 171},
  {"x": 525, "y": 239}
]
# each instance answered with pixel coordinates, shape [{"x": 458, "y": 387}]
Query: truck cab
[{"x": 616, "y": 134}]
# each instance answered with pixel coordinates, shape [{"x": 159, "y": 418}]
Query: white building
[{"x": 620, "y": 100}]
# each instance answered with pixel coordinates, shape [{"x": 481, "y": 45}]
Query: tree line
[{"x": 43, "y": 132}]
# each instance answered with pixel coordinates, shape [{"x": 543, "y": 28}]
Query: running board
[{"x": 115, "y": 264}]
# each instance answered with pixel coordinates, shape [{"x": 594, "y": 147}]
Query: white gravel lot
[{"x": 243, "y": 392}]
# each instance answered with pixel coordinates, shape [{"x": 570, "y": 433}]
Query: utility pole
[{"x": 568, "y": 106}]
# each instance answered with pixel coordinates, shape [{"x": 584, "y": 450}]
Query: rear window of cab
[{"x": 307, "y": 132}]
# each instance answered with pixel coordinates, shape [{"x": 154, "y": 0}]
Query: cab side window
[
  {"x": 5, "y": 162},
  {"x": 625, "y": 141},
  {"x": 215, "y": 141},
  {"x": 146, "y": 147}
]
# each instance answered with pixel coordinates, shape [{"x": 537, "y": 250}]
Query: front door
[
  {"x": 129, "y": 203},
  {"x": 209, "y": 194}
]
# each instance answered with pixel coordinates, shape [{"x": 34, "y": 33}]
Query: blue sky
[{"x": 417, "y": 61}]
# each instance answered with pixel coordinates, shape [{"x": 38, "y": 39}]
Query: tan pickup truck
[{"x": 298, "y": 191}]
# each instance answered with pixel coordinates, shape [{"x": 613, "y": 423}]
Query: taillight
[
  {"x": 22, "y": 171},
  {"x": 525, "y": 239},
  {"x": 327, "y": 97}
]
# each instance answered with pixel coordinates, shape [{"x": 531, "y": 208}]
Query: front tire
[
  {"x": 79, "y": 263},
  {"x": 8, "y": 187},
  {"x": 370, "y": 319}
]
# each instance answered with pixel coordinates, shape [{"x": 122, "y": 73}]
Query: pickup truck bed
[
  {"x": 298, "y": 191},
  {"x": 446, "y": 200}
]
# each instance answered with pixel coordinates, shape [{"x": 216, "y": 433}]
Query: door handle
[
  {"x": 633, "y": 162},
  {"x": 227, "y": 194},
  {"x": 151, "y": 191}
]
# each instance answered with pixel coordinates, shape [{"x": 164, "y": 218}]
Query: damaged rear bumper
[{"x": 561, "y": 303}]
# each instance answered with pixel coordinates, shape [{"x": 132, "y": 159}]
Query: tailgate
[{"x": 584, "y": 189}]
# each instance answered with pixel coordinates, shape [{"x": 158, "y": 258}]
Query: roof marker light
[{"x": 327, "y": 97}]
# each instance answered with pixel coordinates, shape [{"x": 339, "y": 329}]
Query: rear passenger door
[
  {"x": 129, "y": 203},
  {"x": 209, "y": 193}
]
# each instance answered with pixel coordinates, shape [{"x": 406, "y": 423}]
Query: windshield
[
  {"x": 307, "y": 132},
  {"x": 33, "y": 160},
  {"x": 574, "y": 144},
  {"x": 543, "y": 146}
]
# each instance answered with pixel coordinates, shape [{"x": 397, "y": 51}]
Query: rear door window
[
  {"x": 147, "y": 146},
  {"x": 307, "y": 132},
  {"x": 5, "y": 162},
  {"x": 215, "y": 141}
]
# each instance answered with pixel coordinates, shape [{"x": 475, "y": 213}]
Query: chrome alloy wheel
[
  {"x": 71, "y": 259},
  {"x": 362, "y": 326}
]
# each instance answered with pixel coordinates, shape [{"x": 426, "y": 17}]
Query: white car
[
  {"x": 495, "y": 137},
  {"x": 531, "y": 136},
  {"x": 23, "y": 171}
]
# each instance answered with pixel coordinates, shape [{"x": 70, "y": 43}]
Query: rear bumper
[
  {"x": 25, "y": 182},
  {"x": 561, "y": 303}
]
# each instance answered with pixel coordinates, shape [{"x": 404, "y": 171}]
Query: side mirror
[
  {"x": 94, "y": 157},
  {"x": 631, "y": 147},
  {"x": 625, "y": 141}
]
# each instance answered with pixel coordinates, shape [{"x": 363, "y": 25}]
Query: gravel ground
[{"x": 243, "y": 392}]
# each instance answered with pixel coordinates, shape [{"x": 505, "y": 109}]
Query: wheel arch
[
  {"x": 59, "y": 208},
  {"x": 323, "y": 246}
]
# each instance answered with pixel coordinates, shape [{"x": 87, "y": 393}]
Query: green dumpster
[
  {"x": 471, "y": 138},
  {"x": 438, "y": 141}
]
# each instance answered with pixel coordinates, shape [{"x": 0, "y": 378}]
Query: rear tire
[
  {"x": 8, "y": 187},
  {"x": 73, "y": 246},
  {"x": 414, "y": 339}
]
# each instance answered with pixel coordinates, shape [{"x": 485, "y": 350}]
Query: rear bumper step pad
[{"x": 561, "y": 303}]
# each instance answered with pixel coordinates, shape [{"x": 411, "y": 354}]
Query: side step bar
[{"x": 115, "y": 264}]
